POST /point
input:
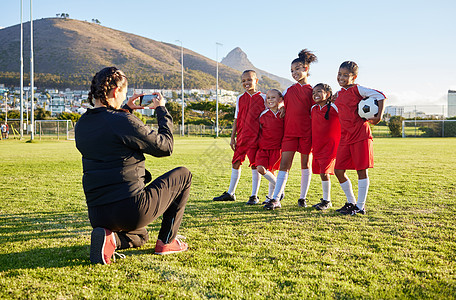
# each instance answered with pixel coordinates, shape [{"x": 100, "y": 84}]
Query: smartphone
[{"x": 147, "y": 100}]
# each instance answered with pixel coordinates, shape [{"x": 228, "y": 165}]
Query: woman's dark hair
[
  {"x": 325, "y": 87},
  {"x": 351, "y": 66},
  {"x": 103, "y": 82},
  {"x": 305, "y": 57}
]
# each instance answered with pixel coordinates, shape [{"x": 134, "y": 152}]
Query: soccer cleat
[
  {"x": 267, "y": 200},
  {"x": 273, "y": 204},
  {"x": 355, "y": 210},
  {"x": 225, "y": 197},
  {"x": 302, "y": 202},
  {"x": 323, "y": 205},
  {"x": 253, "y": 200},
  {"x": 175, "y": 246},
  {"x": 344, "y": 208},
  {"x": 102, "y": 246}
]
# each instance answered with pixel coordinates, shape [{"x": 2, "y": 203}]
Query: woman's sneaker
[
  {"x": 175, "y": 246},
  {"x": 102, "y": 246},
  {"x": 273, "y": 204}
]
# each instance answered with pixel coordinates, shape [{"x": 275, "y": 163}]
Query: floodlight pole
[
  {"x": 216, "y": 92},
  {"x": 22, "y": 80},
  {"x": 5, "y": 97},
  {"x": 182, "y": 77},
  {"x": 32, "y": 107}
]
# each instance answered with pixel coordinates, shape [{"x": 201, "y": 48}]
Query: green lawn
[{"x": 404, "y": 247}]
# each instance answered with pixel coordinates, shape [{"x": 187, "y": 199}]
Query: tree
[
  {"x": 42, "y": 114},
  {"x": 175, "y": 110},
  {"x": 395, "y": 126},
  {"x": 74, "y": 117}
]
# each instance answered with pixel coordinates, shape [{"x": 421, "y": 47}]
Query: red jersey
[
  {"x": 248, "y": 110},
  {"x": 353, "y": 127},
  {"x": 298, "y": 102},
  {"x": 325, "y": 133},
  {"x": 271, "y": 130}
]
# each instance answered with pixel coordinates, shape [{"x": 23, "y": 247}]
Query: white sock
[
  {"x": 280, "y": 184},
  {"x": 272, "y": 182},
  {"x": 326, "y": 186},
  {"x": 363, "y": 187},
  {"x": 256, "y": 180},
  {"x": 347, "y": 188},
  {"x": 271, "y": 190},
  {"x": 305, "y": 182},
  {"x": 235, "y": 175}
]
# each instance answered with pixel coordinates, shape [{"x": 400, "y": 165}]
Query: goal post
[
  {"x": 60, "y": 129},
  {"x": 428, "y": 128}
]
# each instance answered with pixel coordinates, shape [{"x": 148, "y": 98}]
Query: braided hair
[
  {"x": 325, "y": 87},
  {"x": 104, "y": 82}
]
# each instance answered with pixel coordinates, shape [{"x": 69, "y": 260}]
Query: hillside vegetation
[{"x": 69, "y": 52}]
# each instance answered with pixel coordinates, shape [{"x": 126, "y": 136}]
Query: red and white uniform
[
  {"x": 270, "y": 140},
  {"x": 248, "y": 110},
  {"x": 298, "y": 133},
  {"x": 325, "y": 138},
  {"x": 355, "y": 148}
]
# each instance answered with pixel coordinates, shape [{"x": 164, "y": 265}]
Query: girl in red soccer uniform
[
  {"x": 325, "y": 139},
  {"x": 244, "y": 137},
  {"x": 270, "y": 140},
  {"x": 355, "y": 151},
  {"x": 297, "y": 133}
]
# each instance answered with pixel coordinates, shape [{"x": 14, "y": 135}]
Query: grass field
[{"x": 404, "y": 247}]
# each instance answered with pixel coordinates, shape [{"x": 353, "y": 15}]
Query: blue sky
[{"x": 404, "y": 48}]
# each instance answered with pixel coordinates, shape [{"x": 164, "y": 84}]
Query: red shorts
[
  {"x": 357, "y": 156},
  {"x": 302, "y": 145},
  {"x": 242, "y": 150},
  {"x": 323, "y": 165},
  {"x": 268, "y": 158}
]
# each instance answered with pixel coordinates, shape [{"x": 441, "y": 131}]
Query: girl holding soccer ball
[{"x": 355, "y": 151}]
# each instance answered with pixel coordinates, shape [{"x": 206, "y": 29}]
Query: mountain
[
  {"x": 237, "y": 59},
  {"x": 68, "y": 52}
]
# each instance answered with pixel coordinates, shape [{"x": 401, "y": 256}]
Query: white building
[
  {"x": 451, "y": 103},
  {"x": 394, "y": 110}
]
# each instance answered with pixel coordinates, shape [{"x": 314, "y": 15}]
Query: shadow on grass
[
  {"x": 39, "y": 225},
  {"x": 45, "y": 258}
]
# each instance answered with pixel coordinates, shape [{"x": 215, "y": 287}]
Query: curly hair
[
  {"x": 104, "y": 82},
  {"x": 305, "y": 57}
]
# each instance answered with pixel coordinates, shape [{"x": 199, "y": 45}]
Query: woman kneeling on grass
[{"x": 112, "y": 142}]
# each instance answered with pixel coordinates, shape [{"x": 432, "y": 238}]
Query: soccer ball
[{"x": 368, "y": 108}]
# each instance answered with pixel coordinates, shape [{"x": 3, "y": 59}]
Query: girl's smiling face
[
  {"x": 273, "y": 99},
  {"x": 345, "y": 78},
  {"x": 320, "y": 96},
  {"x": 299, "y": 72}
]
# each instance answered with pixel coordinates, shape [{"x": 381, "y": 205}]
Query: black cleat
[
  {"x": 302, "y": 202},
  {"x": 225, "y": 197},
  {"x": 253, "y": 200},
  {"x": 357, "y": 210},
  {"x": 346, "y": 209},
  {"x": 273, "y": 204},
  {"x": 323, "y": 205}
]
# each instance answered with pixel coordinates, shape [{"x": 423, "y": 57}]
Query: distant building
[
  {"x": 451, "y": 103},
  {"x": 394, "y": 110}
]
